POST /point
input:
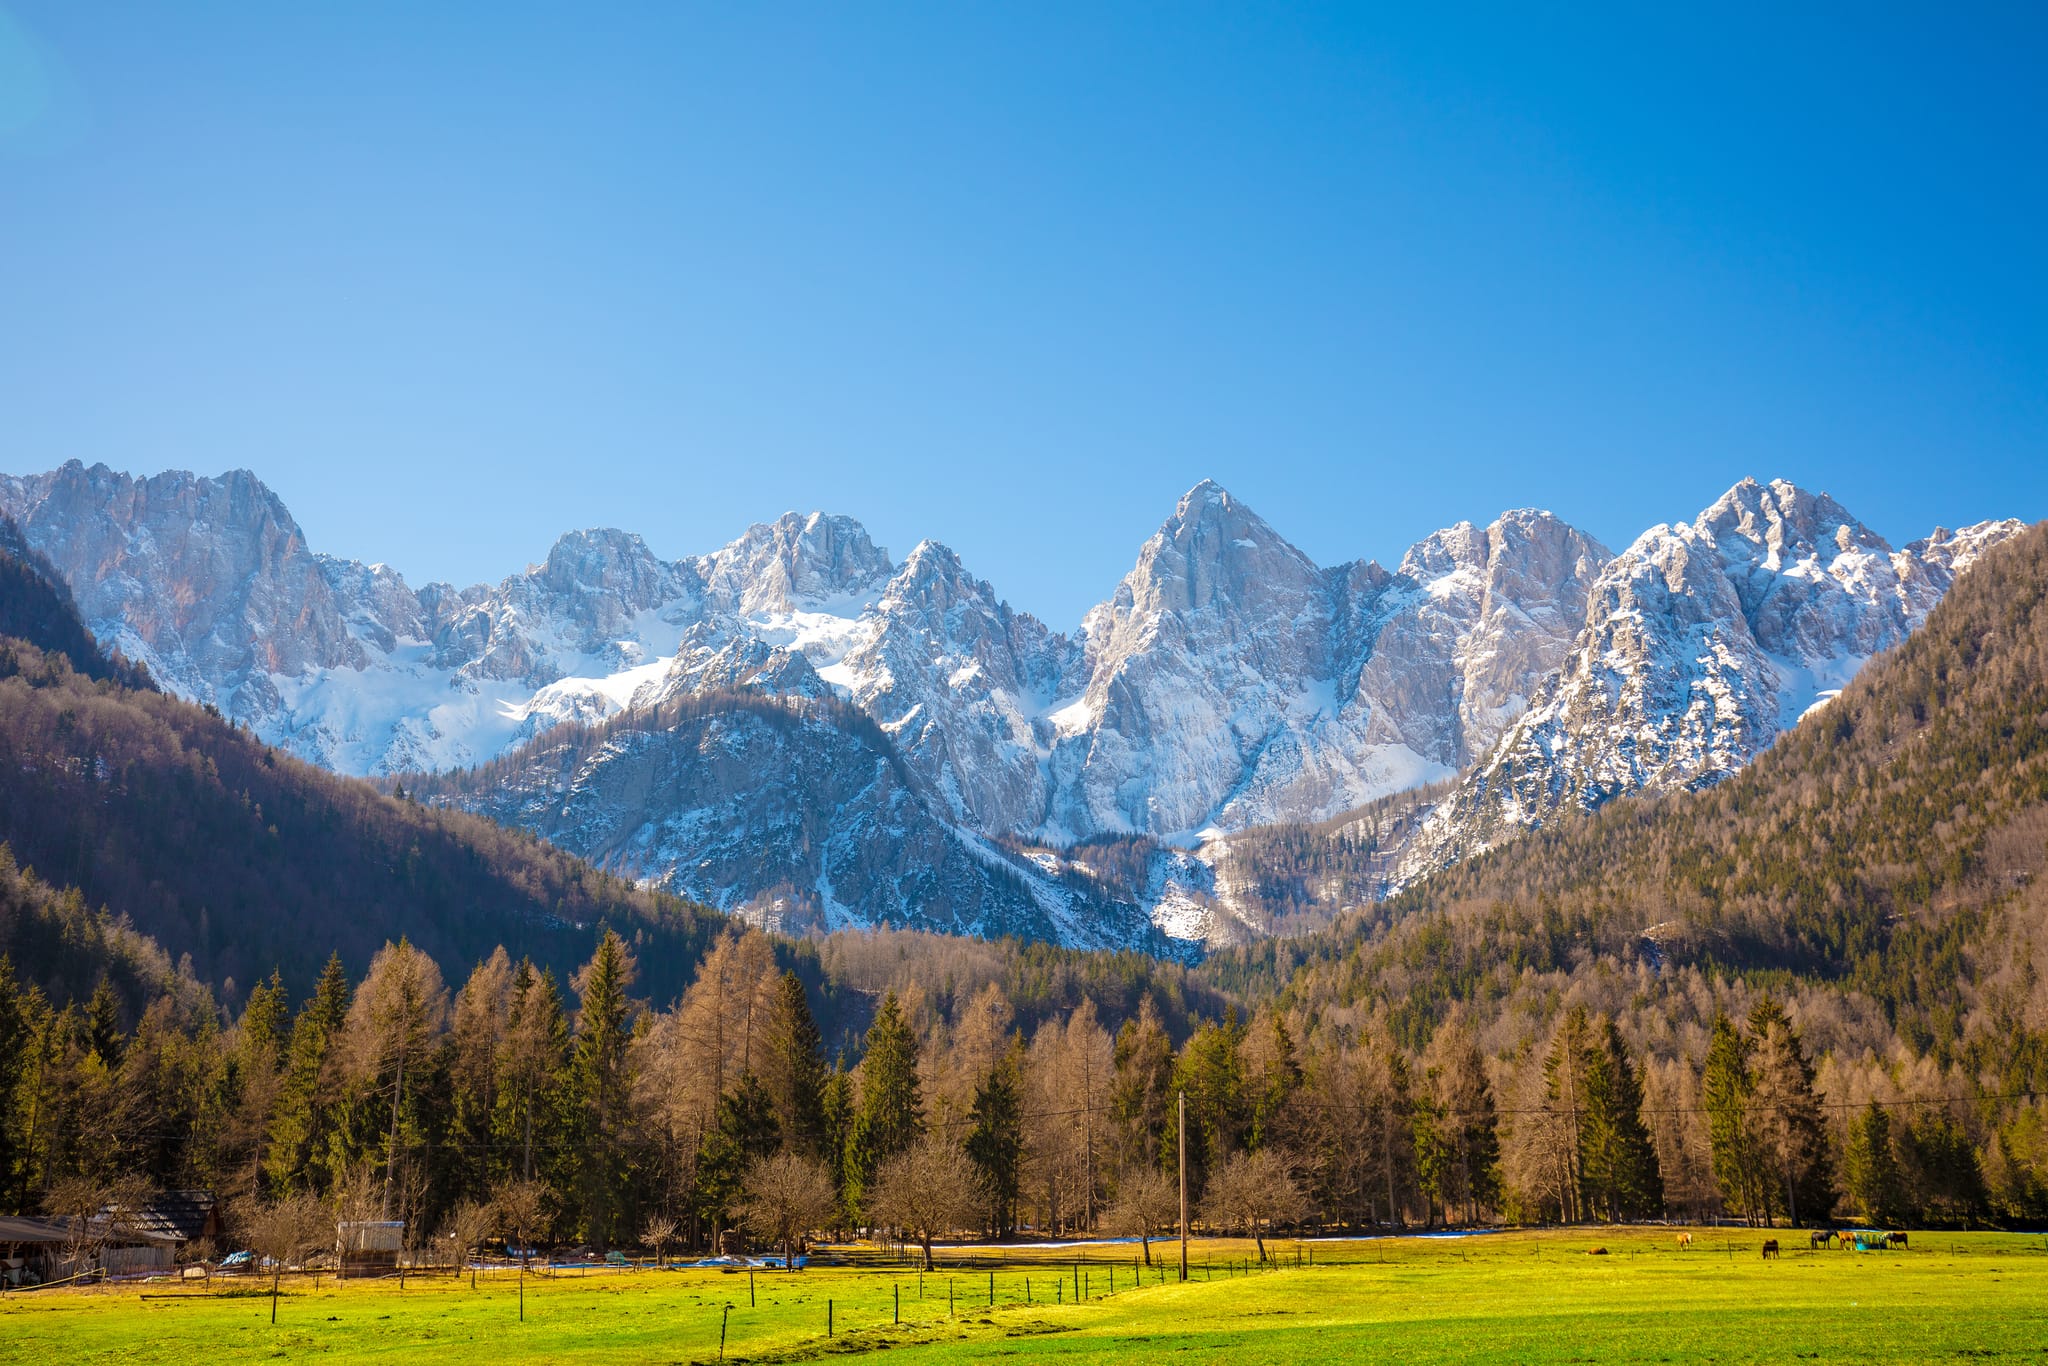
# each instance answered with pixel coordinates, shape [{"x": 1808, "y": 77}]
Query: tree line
[{"x": 576, "y": 1112}]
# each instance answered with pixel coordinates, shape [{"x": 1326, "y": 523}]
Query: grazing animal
[
  {"x": 1895, "y": 1239},
  {"x": 1770, "y": 1247},
  {"x": 1820, "y": 1237},
  {"x": 1597, "y": 1252},
  {"x": 1848, "y": 1239},
  {"x": 1684, "y": 1241}
]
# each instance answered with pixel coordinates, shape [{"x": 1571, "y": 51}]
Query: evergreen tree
[
  {"x": 1567, "y": 1071},
  {"x": 306, "y": 1101},
  {"x": 103, "y": 1023},
  {"x": 1211, "y": 1071},
  {"x": 533, "y": 1072},
  {"x": 743, "y": 1132},
  {"x": 1870, "y": 1168},
  {"x": 1725, "y": 1088},
  {"x": 839, "y": 1106},
  {"x": 1142, "y": 1094},
  {"x": 1617, "y": 1158},
  {"x": 15, "y": 1035},
  {"x": 1791, "y": 1135},
  {"x": 793, "y": 1068},
  {"x": 603, "y": 1087},
  {"x": 996, "y": 1143},
  {"x": 891, "y": 1113}
]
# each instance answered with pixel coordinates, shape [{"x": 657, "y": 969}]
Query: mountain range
[{"x": 801, "y": 729}]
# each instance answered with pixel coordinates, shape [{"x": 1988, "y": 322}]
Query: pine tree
[
  {"x": 103, "y": 1023},
  {"x": 891, "y": 1113},
  {"x": 793, "y": 1068}
]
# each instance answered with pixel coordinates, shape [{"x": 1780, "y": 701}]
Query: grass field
[{"x": 1509, "y": 1297}]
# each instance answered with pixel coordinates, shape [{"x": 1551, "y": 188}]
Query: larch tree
[
  {"x": 396, "y": 1018},
  {"x": 793, "y": 1070}
]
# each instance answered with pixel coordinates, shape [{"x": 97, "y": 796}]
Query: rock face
[
  {"x": 1228, "y": 683},
  {"x": 1702, "y": 643}
]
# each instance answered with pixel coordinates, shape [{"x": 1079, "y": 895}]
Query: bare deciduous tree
[
  {"x": 787, "y": 1196},
  {"x": 1253, "y": 1192},
  {"x": 1147, "y": 1203},
  {"x": 658, "y": 1232},
  {"x": 466, "y": 1228},
  {"x": 288, "y": 1232},
  {"x": 522, "y": 1212},
  {"x": 928, "y": 1189}
]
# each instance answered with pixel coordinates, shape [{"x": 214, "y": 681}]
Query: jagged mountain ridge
[
  {"x": 1375, "y": 681},
  {"x": 1704, "y": 642},
  {"x": 1228, "y": 684}
]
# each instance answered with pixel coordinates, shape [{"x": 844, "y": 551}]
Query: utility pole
[{"x": 1182, "y": 1150}]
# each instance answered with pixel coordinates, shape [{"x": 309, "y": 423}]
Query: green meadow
[{"x": 1521, "y": 1297}]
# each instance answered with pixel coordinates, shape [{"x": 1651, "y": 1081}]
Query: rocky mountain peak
[{"x": 797, "y": 561}]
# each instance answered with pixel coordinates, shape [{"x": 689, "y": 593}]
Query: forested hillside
[
  {"x": 1810, "y": 993},
  {"x": 248, "y": 862},
  {"x": 1877, "y": 872}
]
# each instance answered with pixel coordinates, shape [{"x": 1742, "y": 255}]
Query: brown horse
[
  {"x": 1848, "y": 1239},
  {"x": 1770, "y": 1247},
  {"x": 1895, "y": 1239},
  {"x": 1820, "y": 1237},
  {"x": 1684, "y": 1241}
]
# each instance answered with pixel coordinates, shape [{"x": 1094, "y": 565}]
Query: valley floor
[{"x": 1523, "y": 1297}]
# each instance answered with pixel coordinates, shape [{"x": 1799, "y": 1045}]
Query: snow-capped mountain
[
  {"x": 1702, "y": 643},
  {"x": 1231, "y": 682},
  {"x": 847, "y": 736}
]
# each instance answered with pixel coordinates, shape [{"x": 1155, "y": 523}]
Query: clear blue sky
[{"x": 454, "y": 278}]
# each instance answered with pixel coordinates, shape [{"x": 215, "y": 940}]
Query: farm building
[
  {"x": 369, "y": 1247},
  {"x": 35, "y": 1251}
]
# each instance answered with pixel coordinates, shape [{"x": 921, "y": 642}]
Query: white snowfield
[{"x": 1228, "y": 682}]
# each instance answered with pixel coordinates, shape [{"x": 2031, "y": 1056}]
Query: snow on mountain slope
[
  {"x": 1229, "y": 683},
  {"x": 1702, "y": 643}
]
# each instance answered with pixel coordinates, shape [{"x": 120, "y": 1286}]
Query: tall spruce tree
[
  {"x": 603, "y": 1086},
  {"x": 1617, "y": 1158},
  {"x": 306, "y": 1102},
  {"x": 891, "y": 1113},
  {"x": 1725, "y": 1087},
  {"x": 996, "y": 1143},
  {"x": 1870, "y": 1167}
]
